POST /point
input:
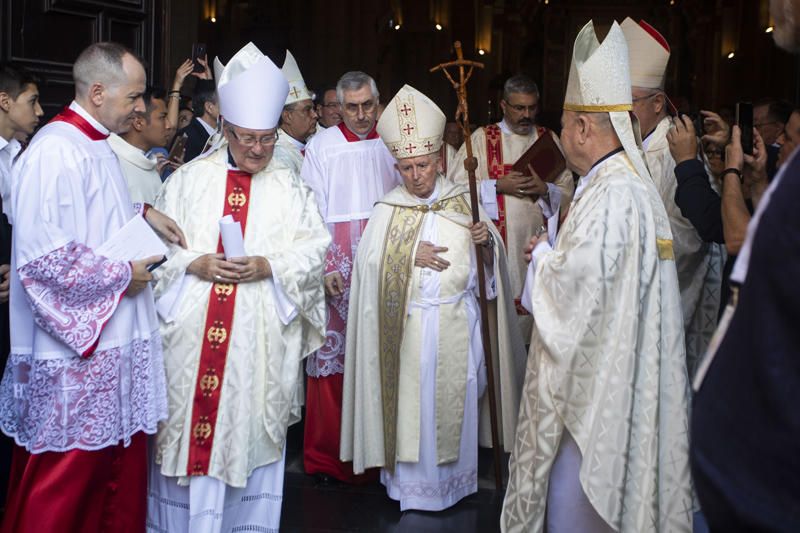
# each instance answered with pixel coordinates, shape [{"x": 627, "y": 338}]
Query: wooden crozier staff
[{"x": 470, "y": 164}]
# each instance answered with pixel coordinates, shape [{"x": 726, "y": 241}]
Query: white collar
[
  {"x": 75, "y": 106},
  {"x": 299, "y": 145},
  {"x": 585, "y": 180},
  {"x": 206, "y": 126},
  {"x": 131, "y": 153},
  {"x": 433, "y": 197}
]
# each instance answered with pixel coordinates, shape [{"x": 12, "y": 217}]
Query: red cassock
[{"x": 78, "y": 491}]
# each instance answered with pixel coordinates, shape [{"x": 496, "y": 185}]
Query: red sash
[
  {"x": 352, "y": 137},
  {"x": 216, "y": 340},
  {"x": 71, "y": 117},
  {"x": 496, "y": 169}
]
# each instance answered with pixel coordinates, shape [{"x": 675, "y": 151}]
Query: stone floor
[{"x": 312, "y": 507}]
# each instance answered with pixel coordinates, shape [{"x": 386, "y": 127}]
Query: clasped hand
[
  {"x": 216, "y": 269},
  {"x": 516, "y": 184}
]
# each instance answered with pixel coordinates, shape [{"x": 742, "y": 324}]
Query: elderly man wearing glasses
[
  {"x": 235, "y": 323},
  {"x": 349, "y": 169}
]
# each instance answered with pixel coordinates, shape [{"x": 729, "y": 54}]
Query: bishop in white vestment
[
  {"x": 414, "y": 369},
  {"x": 699, "y": 263},
  {"x": 602, "y": 443},
  {"x": 298, "y": 119},
  {"x": 236, "y": 329}
]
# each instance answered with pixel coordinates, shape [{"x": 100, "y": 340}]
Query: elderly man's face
[
  {"x": 329, "y": 110},
  {"x": 360, "y": 110},
  {"x": 301, "y": 120},
  {"x": 251, "y": 149},
  {"x": 648, "y": 105},
  {"x": 786, "y": 15},
  {"x": 119, "y": 104},
  {"x": 789, "y": 139},
  {"x": 570, "y": 139},
  {"x": 519, "y": 112},
  {"x": 419, "y": 174}
]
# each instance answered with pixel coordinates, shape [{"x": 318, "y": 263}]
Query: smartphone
[
  {"x": 177, "y": 147},
  {"x": 744, "y": 119},
  {"x": 699, "y": 127},
  {"x": 198, "y": 52}
]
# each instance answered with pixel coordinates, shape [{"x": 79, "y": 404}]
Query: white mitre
[
  {"x": 251, "y": 89},
  {"x": 411, "y": 125},
  {"x": 297, "y": 86},
  {"x": 648, "y": 52},
  {"x": 600, "y": 82}
]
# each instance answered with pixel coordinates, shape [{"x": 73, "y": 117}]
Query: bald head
[
  {"x": 109, "y": 83},
  {"x": 100, "y": 63},
  {"x": 586, "y": 137}
]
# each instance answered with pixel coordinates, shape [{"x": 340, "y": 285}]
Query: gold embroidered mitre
[
  {"x": 297, "y": 85},
  {"x": 412, "y": 125}
]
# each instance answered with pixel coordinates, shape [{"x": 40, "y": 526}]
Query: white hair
[{"x": 353, "y": 81}]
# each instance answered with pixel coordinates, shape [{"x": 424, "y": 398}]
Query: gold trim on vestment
[
  {"x": 665, "y": 251},
  {"x": 610, "y": 108},
  {"x": 397, "y": 265}
]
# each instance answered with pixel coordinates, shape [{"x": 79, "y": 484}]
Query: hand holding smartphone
[{"x": 198, "y": 52}]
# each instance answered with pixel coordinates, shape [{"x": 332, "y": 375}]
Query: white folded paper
[
  {"x": 135, "y": 240},
  {"x": 232, "y": 239}
]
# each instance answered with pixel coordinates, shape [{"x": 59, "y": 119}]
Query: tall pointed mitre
[
  {"x": 251, "y": 89},
  {"x": 297, "y": 86},
  {"x": 411, "y": 125},
  {"x": 648, "y": 51},
  {"x": 600, "y": 82}
]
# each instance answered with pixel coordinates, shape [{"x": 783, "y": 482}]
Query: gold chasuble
[{"x": 381, "y": 414}]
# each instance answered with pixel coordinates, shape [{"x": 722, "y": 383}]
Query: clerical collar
[
  {"x": 299, "y": 145},
  {"x": 584, "y": 181},
  {"x": 81, "y": 119},
  {"x": 354, "y": 137},
  {"x": 206, "y": 126}
]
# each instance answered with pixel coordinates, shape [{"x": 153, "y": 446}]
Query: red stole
[
  {"x": 496, "y": 168},
  {"x": 71, "y": 117},
  {"x": 352, "y": 137},
  {"x": 216, "y": 339}
]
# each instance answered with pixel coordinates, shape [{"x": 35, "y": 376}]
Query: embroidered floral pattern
[
  {"x": 73, "y": 293},
  {"x": 329, "y": 359},
  {"x": 87, "y": 404}
]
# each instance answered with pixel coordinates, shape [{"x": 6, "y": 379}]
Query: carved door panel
[{"x": 45, "y": 37}]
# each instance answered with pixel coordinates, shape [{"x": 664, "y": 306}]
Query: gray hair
[
  {"x": 519, "y": 84},
  {"x": 353, "y": 81},
  {"x": 100, "y": 62}
]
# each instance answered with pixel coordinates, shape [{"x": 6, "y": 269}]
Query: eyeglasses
[
  {"x": 522, "y": 108},
  {"x": 365, "y": 107},
  {"x": 250, "y": 140},
  {"x": 331, "y": 105},
  {"x": 640, "y": 98},
  {"x": 305, "y": 110}
]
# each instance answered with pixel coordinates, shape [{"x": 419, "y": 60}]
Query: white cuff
[
  {"x": 551, "y": 209},
  {"x": 541, "y": 248},
  {"x": 489, "y": 198},
  {"x": 287, "y": 311}
]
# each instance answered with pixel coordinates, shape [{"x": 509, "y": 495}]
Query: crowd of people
[{"x": 155, "y": 391}]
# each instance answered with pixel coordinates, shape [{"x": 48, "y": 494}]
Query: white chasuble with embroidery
[
  {"x": 259, "y": 396},
  {"x": 607, "y": 364},
  {"x": 381, "y": 405}
]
